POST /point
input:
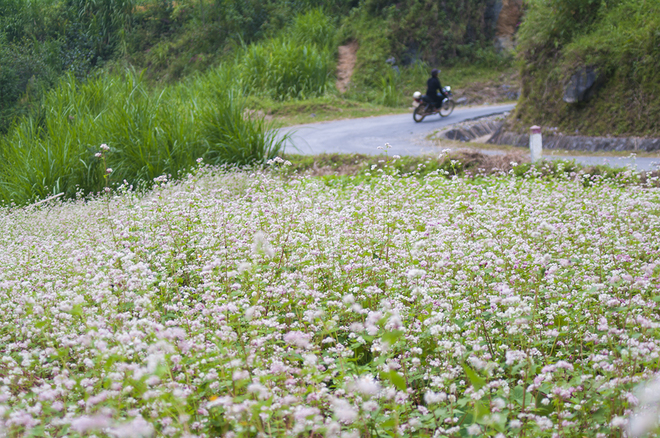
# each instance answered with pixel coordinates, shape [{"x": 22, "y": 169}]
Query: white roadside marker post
[{"x": 536, "y": 144}]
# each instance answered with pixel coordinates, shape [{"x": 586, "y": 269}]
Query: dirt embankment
[
  {"x": 507, "y": 24},
  {"x": 345, "y": 65}
]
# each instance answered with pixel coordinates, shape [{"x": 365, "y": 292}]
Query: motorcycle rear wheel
[
  {"x": 447, "y": 108},
  {"x": 419, "y": 113}
]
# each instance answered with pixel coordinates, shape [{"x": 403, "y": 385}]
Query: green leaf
[
  {"x": 390, "y": 422},
  {"x": 476, "y": 380},
  {"x": 398, "y": 380},
  {"x": 481, "y": 409},
  {"x": 517, "y": 394},
  {"x": 77, "y": 310},
  {"x": 391, "y": 337}
]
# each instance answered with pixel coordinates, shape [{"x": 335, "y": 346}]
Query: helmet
[
  {"x": 417, "y": 95},
  {"x": 435, "y": 72}
]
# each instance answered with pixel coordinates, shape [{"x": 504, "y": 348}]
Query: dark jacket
[{"x": 434, "y": 89}]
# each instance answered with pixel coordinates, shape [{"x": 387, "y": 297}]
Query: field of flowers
[{"x": 246, "y": 304}]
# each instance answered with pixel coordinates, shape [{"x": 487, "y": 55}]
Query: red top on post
[{"x": 535, "y": 129}]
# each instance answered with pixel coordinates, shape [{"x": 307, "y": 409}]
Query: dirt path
[{"x": 345, "y": 65}]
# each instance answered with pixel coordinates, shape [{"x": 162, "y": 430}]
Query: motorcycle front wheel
[
  {"x": 447, "y": 108},
  {"x": 419, "y": 113}
]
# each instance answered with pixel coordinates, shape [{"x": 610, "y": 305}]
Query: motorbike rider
[{"x": 434, "y": 91}]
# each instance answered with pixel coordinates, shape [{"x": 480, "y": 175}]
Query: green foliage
[
  {"x": 620, "y": 40},
  {"x": 103, "y": 22},
  {"x": 293, "y": 42},
  {"x": 390, "y": 88},
  {"x": 314, "y": 28},
  {"x": 150, "y": 133},
  {"x": 42, "y": 39},
  {"x": 26, "y": 69},
  {"x": 549, "y": 25},
  {"x": 174, "y": 39},
  {"x": 420, "y": 32},
  {"x": 283, "y": 69},
  {"x": 296, "y": 64}
]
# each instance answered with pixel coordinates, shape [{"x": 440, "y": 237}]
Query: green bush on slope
[
  {"x": 620, "y": 39},
  {"x": 42, "y": 39}
]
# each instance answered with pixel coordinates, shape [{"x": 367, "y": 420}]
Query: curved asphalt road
[
  {"x": 406, "y": 137},
  {"x": 365, "y": 135}
]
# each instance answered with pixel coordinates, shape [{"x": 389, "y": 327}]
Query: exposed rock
[
  {"x": 502, "y": 88},
  {"x": 581, "y": 85},
  {"x": 504, "y": 43},
  {"x": 476, "y": 130},
  {"x": 473, "y": 132},
  {"x": 491, "y": 128},
  {"x": 507, "y": 24},
  {"x": 461, "y": 101}
]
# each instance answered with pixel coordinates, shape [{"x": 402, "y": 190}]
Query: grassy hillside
[{"x": 620, "y": 40}]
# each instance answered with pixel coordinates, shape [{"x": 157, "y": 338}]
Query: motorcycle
[{"x": 424, "y": 107}]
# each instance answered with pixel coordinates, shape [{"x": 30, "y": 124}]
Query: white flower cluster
[{"x": 231, "y": 304}]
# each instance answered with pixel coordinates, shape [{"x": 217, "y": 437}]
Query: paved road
[
  {"x": 365, "y": 135},
  {"x": 409, "y": 138}
]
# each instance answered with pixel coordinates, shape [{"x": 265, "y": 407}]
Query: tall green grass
[
  {"x": 314, "y": 28},
  {"x": 390, "y": 90},
  {"x": 296, "y": 64},
  {"x": 282, "y": 69},
  {"x": 165, "y": 130},
  {"x": 149, "y": 132}
]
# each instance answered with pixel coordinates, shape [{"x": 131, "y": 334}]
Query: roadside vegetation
[
  {"x": 244, "y": 303},
  {"x": 165, "y": 83},
  {"x": 620, "y": 40},
  {"x": 468, "y": 163},
  {"x": 147, "y": 134},
  {"x": 42, "y": 40}
]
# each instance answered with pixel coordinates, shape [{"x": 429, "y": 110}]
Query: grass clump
[
  {"x": 297, "y": 64},
  {"x": 149, "y": 132},
  {"x": 283, "y": 69}
]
